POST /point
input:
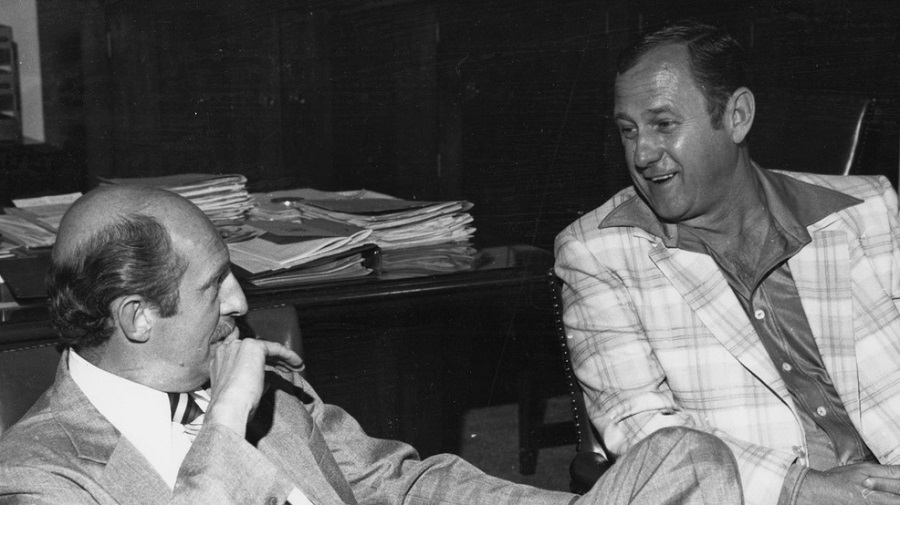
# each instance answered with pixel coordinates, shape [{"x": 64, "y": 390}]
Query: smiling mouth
[{"x": 661, "y": 178}]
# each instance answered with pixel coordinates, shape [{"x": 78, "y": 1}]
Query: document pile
[
  {"x": 290, "y": 253},
  {"x": 223, "y": 197},
  {"x": 33, "y": 222},
  {"x": 415, "y": 237}
]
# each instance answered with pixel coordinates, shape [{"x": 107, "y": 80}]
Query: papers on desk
[
  {"x": 6, "y": 250},
  {"x": 222, "y": 197},
  {"x": 306, "y": 251},
  {"x": 287, "y": 245},
  {"x": 24, "y": 232},
  {"x": 435, "y": 259},
  {"x": 33, "y": 223},
  {"x": 415, "y": 237},
  {"x": 281, "y": 205},
  {"x": 356, "y": 262}
]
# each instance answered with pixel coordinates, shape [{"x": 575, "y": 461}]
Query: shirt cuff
[{"x": 790, "y": 489}]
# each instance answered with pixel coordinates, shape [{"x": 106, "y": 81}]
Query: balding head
[
  {"x": 115, "y": 241},
  {"x": 105, "y": 207}
]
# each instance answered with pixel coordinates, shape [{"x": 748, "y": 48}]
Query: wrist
[
  {"x": 799, "y": 474},
  {"x": 229, "y": 414}
]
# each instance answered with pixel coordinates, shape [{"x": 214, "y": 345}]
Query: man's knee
[
  {"x": 692, "y": 442},
  {"x": 672, "y": 465}
]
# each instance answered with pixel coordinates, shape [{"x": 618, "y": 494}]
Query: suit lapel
[
  {"x": 701, "y": 284},
  {"x": 822, "y": 274},
  {"x": 292, "y": 444},
  {"x": 126, "y": 475},
  {"x": 132, "y": 480}
]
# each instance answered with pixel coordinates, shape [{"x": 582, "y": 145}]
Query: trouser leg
[{"x": 674, "y": 465}]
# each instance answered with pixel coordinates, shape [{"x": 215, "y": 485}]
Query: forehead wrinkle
[{"x": 656, "y": 80}]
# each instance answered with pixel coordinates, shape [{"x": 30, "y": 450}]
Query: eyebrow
[
  {"x": 622, "y": 116},
  {"x": 659, "y": 110},
  {"x": 217, "y": 276},
  {"x": 652, "y": 111}
]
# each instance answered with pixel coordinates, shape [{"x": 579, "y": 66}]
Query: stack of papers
[
  {"x": 415, "y": 237},
  {"x": 307, "y": 251},
  {"x": 223, "y": 197},
  {"x": 6, "y": 251},
  {"x": 33, "y": 222},
  {"x": 436, "y": 259},
  {"x": 282, "y": 205},
  {"x": 355, "y": 263}
]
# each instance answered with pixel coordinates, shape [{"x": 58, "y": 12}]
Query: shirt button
[
  {"x": 786, "y": 367},
  {"x": 821, "y": 411},
  {"x": 760, "y": 314},
  {"x": 272, "y": 500}
]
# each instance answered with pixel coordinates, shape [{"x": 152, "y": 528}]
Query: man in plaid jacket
[{"x": 762, "y": 307}]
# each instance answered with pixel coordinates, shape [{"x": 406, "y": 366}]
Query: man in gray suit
[{"x": 143, "y": 296}]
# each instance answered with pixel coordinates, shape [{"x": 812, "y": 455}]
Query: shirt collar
[
  {"x": 793, "y": 203},
  {"x": 141, "y": 414}
]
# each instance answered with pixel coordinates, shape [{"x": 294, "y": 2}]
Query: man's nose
[
  {"x": 232, "y": 299},
  {"x": 648, "y": 151}
]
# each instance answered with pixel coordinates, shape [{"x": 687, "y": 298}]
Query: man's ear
[
  {"x": 134, "y": 317},
  {"x": 741, "y": 110}
]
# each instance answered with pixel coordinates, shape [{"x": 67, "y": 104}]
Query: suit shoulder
[
  {"x": 589, "y": 222},
  {"x": 33, "y": 439},
  {"x": 862, "y": 187},
  {"x": 874, "y": 217}
]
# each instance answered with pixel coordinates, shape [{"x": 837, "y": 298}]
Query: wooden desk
[{"x": 407, "y": 357}]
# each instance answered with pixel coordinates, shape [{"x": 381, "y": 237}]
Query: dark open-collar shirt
[{"x": 769, "y": 296}]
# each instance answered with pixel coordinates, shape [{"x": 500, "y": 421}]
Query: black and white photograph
[{"x": 494, "y": 253}]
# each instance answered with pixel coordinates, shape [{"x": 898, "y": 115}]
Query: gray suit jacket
[{"x": 64, "y": 451}]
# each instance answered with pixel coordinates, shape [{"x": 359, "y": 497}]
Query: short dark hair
[
  {"x": 717, "y": 61},
  {"x": 134, "y": 255}
]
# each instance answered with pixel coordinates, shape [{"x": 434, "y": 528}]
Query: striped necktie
[{"x": 184, "y": 410}]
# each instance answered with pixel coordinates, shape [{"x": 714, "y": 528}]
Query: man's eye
[
  {"x": 627, "y": 132},
  {"x": 666, "y": 125}
]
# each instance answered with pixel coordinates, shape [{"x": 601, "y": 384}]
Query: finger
[
  {"x": 890, "y": 472},
  {"x": 891, "y": 486},
  {"x": 873, "y": 497},
  {"x": 279, "y": 355},
  {"x": 234, "y": 335}
]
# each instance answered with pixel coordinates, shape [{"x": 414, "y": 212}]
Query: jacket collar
[
  {"x": 290, "y": 445},
  {"x": 795, "y": 205},
  {"x": 96, "y": 440}
]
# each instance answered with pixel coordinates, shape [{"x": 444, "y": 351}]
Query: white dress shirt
[{"x": 142, "y": 415}]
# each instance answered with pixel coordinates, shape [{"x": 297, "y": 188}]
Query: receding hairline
[{"x": 106, "y": 206}]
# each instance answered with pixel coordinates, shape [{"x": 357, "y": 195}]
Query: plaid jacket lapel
[
  {"x": 842, "y": 320},
  {"x": 699, "y": 281},
  {"x": 822, "y": 274}
]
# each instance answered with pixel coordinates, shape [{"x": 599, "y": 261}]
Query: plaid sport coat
[{"x": 657, "y": 337}]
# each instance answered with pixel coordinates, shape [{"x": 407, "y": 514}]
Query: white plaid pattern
[{"x": 658, "y": 338}]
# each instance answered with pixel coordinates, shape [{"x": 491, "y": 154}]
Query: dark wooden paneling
[{"x": 504, "y": 102}]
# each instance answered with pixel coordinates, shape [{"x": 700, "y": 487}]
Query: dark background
[{"x": 503, "y": 102}]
